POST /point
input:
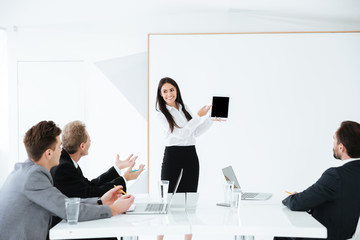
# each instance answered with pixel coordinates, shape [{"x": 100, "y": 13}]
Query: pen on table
[
  {"x": 288, "y": 192},
  {"x": 121, "y": 190}
]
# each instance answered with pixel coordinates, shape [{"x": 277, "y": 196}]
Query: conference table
[{"x": 252, "y": 218}]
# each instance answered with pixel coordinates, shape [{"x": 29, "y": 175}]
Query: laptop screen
[
  {"x": 230, "y": 176},
  {"x": 176, "y": 186}
]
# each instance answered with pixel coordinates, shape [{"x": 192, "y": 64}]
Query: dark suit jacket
[
  {"x": 334, "y": 200},
  {"x": 71, "y": 182}
]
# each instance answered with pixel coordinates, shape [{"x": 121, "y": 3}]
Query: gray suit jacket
[{"x": 29, "y": 199}]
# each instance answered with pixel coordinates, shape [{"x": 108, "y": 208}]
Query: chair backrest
[{"x": 356, "y": 235}]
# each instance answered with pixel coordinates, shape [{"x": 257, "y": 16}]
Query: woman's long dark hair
[{"x": 161, "y": 104}]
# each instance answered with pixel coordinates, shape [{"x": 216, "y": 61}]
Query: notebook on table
[
  {"x": 230, "y": 176},
  {"x": 155, "y": 207}
]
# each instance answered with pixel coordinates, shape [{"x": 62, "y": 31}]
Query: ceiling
[{"x": 179, "y": 16}]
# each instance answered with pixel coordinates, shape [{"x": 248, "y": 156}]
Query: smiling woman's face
[{"x": 169, "y": 93}]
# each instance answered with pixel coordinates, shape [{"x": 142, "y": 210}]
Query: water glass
[
  {"x": 72, "y": 206},
  {"x": 163, "y": 189},
  {"x": 228, "y": 188},
  {"x": 235, "y": 199}
]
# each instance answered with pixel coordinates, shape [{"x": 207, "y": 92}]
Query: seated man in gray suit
[{"x": 29, "y": 199}]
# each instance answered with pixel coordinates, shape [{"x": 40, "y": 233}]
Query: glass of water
[
  {"x": 72, "y": 206},
  {"x": 163, "y": 189},
  {"x": 235, "y": 199},
  {"x": 228, "y": 188}
]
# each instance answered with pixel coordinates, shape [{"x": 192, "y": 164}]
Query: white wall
[
  {"x": 4, "y": 134},
  {"x": 49, "y": 91},
  {"x": 288, "y": 95},
  {"x": 56, "y": 78},
  {"x": 93, "y": 32}
]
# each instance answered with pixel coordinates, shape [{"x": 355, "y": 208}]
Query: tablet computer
[{"x": 220, "y": 107}]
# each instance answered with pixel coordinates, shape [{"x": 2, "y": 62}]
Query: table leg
[
  {"x": 240, "y": 237},
  {"x": 130, "y": 238}
]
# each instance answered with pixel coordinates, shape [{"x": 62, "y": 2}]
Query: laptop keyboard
[
  {"x": 154, "y": 207},
  {"x": 249, "y": 195}
]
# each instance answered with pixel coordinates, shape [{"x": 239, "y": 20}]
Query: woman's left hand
[{"x": 204, "y": 110}]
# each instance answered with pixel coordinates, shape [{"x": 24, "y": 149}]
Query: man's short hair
[
  {"x": 41, "y": 137},
  {"x": 349, "y": 135},
  {"x": 74, "y": 133}
]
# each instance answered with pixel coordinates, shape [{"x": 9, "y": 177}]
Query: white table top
[
  {"x": 175, "y": 222},
  {"x": 267, "y": 218},
  {"x": 254, "y": 218}
]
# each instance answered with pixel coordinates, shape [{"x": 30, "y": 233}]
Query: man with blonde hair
[{"x": 68, "y": 177}]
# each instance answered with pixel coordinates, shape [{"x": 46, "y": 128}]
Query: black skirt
[{"x": 175, "y": 158}]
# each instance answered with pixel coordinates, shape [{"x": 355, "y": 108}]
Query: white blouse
[{"x": 185, "y": 134}]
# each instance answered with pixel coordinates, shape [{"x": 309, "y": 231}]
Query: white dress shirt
[
  {"x": 185, "y": 134},
  {"x": 349, "y": 160},
  {"x": 75, "y": 163}
]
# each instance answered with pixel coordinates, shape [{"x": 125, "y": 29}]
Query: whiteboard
[{"x": 288, "y": 92}]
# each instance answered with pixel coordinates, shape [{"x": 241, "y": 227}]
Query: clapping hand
[
  {"x": 121, "y": 164},
  {"x": 122, "y": 204},
  {"x": 111, "y": 196},
  {"x": 131, "y": 175}
]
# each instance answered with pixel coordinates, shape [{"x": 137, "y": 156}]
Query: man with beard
[{"x": 334, "y": 200}]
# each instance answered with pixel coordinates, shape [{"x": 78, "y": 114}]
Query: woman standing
[{"x": 181, "y": 128}]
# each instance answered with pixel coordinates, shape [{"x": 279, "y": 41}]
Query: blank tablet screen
[{"x": 220, "y": 107}]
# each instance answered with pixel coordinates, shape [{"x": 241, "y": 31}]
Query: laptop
[
  {"x": 230, "y": 176},
  {"x": 154, "y": 207}
]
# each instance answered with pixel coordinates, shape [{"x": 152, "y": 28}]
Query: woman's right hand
[{"x": 204, "y": 110}]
